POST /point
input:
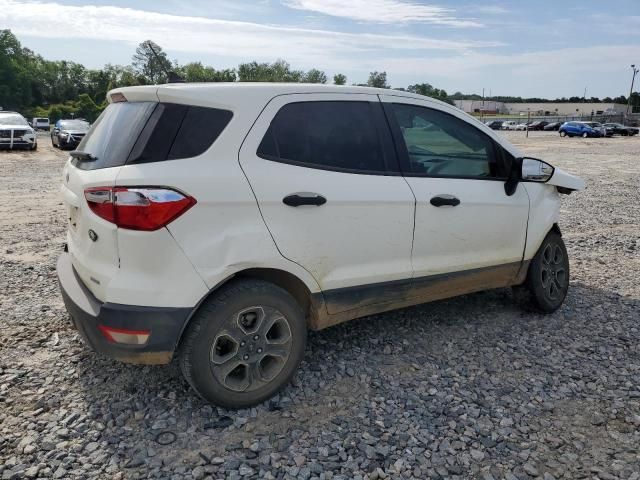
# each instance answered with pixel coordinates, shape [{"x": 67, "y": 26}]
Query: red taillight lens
[{"x": 138, "y": 208}]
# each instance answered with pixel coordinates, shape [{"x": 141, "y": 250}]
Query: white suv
[
  {"x": 219, "y": 222},
  {"x": 15, "y": 132}
]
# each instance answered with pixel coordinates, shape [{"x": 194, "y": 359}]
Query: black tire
[
  {"x": 563, "y": 133},
  {"x": 547, "y": 282},
  {"x": 215, "y": 346},
  {"x": 34, "y": 147}
]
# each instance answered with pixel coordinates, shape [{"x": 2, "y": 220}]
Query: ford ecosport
[{"x": 217, "y": 223}]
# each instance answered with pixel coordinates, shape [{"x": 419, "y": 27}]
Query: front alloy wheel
[
  {"x": 553, "y": 272},
  {"x": 547, "y": 282}
]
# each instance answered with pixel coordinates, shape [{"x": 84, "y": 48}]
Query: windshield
[
  {"x": 13, "y": 120},
  {"x": 114, "y": 133},
  {"x": 78, "y": 125}
]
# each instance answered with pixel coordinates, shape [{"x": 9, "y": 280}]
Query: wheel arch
[{"x": 310, "y": 303}]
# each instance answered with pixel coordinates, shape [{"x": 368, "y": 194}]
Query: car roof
[{"x": 260, "y": 89}]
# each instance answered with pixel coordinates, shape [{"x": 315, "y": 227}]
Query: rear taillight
[{"x": 138, "y": 208}]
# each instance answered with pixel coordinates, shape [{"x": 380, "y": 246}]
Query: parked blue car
[{"x": 582, "y": 129}]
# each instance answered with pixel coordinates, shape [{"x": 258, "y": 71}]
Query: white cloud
[
  {"x": 383, "y": 11},
  {"x": 566, "y": 71},
  {"x": 211, "y": 36}
]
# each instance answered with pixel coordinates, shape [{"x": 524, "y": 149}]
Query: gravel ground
[{"x": 471, "y": 387}]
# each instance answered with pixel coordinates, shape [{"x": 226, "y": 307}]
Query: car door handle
[
  {"x": 442, "y": 200},
  {"x": 304, "y": 198}
]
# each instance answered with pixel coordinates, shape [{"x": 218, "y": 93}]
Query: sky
[{"x": 538, "y": 48}]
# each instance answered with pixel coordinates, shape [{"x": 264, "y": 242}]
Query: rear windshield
[
  {"x": 114, "y": 133},
  {"x": 142, "y": 132}
]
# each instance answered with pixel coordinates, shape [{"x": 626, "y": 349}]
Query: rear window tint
[
  {"x": 179, "y": 131},
  {"x": 141, "y": 132}
]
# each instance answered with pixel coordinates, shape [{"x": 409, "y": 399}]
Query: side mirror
[
  {"x": 534, "y": 170},
  {"x": 527, "y": 169}
]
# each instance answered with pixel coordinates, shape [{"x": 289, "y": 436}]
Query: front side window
[
  {"x": 331, "y": 135},
  {"x": 442, "y": 145}
]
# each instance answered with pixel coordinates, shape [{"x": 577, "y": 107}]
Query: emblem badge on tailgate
[{"x": 93, "y": 235}]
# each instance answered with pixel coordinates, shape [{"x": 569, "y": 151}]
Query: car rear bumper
[{"x": 89, "y": 315}]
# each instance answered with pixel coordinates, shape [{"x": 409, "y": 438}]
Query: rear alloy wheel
[
  {"x": 547, "y": 282},
  {"x": 563, "y": 133},
  {"x": 585, "y": 135},
  {"x": 244, "y": 344}
]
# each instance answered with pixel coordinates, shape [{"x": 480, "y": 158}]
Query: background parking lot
[{"x": 471, "y": 387}]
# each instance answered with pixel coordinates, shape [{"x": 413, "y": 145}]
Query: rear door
[
  {"x": 464, "y": 219},
  {"x": 324, "y": 172},
  {"x": 92, "y": 241}
]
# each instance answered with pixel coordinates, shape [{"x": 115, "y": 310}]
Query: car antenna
[{"x": 172, "y": 76}]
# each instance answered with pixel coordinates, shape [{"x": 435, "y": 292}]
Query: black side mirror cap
[{"x": 513, "y": 179}]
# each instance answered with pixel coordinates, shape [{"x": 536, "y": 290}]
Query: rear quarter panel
[{"x": 224, "y": 232}]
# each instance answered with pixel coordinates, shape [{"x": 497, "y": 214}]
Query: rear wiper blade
[{"x": 83, "y": 156}]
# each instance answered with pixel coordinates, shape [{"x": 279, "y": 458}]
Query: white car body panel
[
  {"x": 543, "y": 214},
  {"x": 362, "y": 235},
  {"x": 560, "y": 178}
]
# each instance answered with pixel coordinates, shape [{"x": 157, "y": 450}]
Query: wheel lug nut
[
  {"x": 246, "y": 357},
  {"x": 243, "y": 343},
  {"x": 259, "y": 350},
  {"x": 256, "y": 337}
]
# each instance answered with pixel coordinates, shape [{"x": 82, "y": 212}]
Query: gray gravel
[{"x": 471, "y": 387}]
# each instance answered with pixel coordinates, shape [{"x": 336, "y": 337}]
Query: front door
[
  {"x": 325, "y": 175},
  {"x": 465, "y": 222}
]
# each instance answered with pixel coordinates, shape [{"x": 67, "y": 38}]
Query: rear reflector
[
  {"x": 138, "y": 208},
  {"x": 127, "y": 337}
]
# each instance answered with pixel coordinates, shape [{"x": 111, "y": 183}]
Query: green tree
[
  {"x": 378, "y": 80},
  {"x": 196, "y": 72},
  {"x": 151, "y": 62},
  {"x": 428, "y": 90},
  {"x": 87, "y": 108},
  {"x": 315, "y": 76},
  {"x": 278, "y": 71},
  {"x": 339, "y": 79},
  {"x": 15, "y": 77}
]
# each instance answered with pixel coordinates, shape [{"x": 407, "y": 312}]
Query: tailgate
[{"x": 92, "y": 241}]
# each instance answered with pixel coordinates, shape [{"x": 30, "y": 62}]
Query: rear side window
[
  {"x": 330, "y": 135},
  {"x": 140, "y": 132},
  {"x": 177, "y": 131}
]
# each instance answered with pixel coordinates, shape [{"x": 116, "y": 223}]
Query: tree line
[{"x": 59, "y": 89}]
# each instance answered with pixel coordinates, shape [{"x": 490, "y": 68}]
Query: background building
[{"x": 546, "y": 108}]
